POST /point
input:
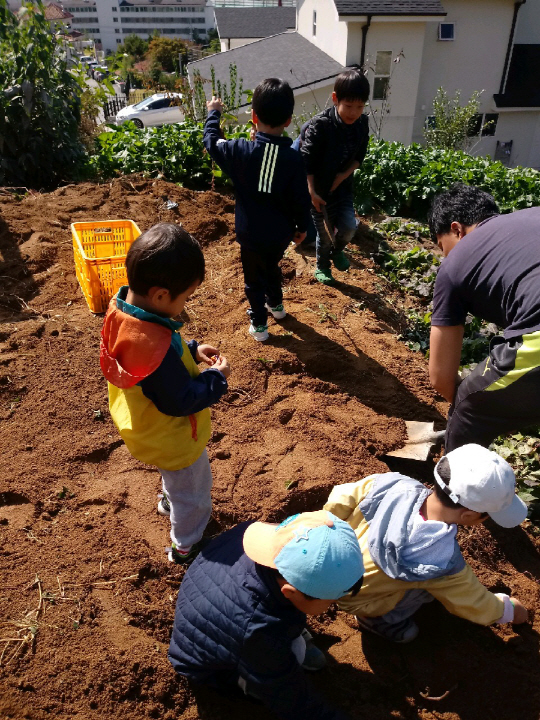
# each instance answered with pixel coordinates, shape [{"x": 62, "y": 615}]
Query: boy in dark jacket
[
  {"x": 158, "y": 398},
  {"x": 272, "y": 199},
  {"x": 242, "y": 605},
  {"x": 334, "y": 144}
]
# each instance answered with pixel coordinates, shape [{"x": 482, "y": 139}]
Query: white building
[
  {"x": 468, "y": 45},
  {"x": 109, "y": 22}
]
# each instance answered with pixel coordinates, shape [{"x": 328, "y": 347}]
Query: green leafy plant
[
  {"x": 39, "y": 102},
  {"x": 172, "y": 151},
  {"x": 402, "y": 180},
  {"x": 451, "y": 122}
]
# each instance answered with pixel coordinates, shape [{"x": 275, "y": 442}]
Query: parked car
[
  {"x": 101, "y": 72},
  {"x": 158, "y": 109},
  {"x": 90, "y": 68},
  {"x": 86, "y": 59}
]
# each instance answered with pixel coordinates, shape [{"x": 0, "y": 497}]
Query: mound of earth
[{"x": 87, "y": 594}]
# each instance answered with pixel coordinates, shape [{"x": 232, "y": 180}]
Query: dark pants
[
  {"x": 500, "y": 396},
  {"x": 262, "y": 281},
  {"x": 341, "y": 218}
]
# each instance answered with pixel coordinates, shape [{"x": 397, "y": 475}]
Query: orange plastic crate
[{"x": 100, "y": 249}]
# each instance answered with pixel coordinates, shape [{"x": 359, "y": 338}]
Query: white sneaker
[
  {"x": 259, "y": 333},
  {"x": 278, "y": 312}
]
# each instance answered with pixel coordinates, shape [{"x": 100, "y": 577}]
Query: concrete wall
[
  {"x": 473, "y": 61},
  {"x": 231, "y": 43},
  {"x": 405, "y": 40},
  {"x": 523, "y": 128},
  {"x": 331, "y": 35}
]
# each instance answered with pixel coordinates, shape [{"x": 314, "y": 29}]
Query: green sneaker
[
  {"x": 184, "y": 558},
  {"x": 324, "y": 276},
  {"x": 341, "y": 261}
]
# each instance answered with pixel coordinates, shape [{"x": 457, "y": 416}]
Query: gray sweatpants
[{"x": 189, "y": 496}]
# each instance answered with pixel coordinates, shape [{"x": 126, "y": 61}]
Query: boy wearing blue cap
[
  {"x": 242, "y": 605},
  {"x": 407, "y": 534}
]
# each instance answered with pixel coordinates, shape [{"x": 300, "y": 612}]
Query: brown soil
[{"x": 84, "y": 578}]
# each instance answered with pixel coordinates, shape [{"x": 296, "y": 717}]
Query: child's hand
[
  {"x": 521, "y": 614},
  {"x": 214, "y": 104},
  {"x": 205, "y": 353},
  {"x": 222, "y": 364},
  {"x": 317, "y": 201},
  {"x": 298, "y": 237}
]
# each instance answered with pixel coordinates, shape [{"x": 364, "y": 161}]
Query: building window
[
  {"x": 117, "y": 32},
  {"x": 115, "y": 19},
  {"x": 115, "y": 9},
  {"x": 314, "y": 23},
  {"x": 383, "y": 64},
  {"x": 446, "y": 31},
  {"x": 118, "y": 41},
  {"x": 489, "y": 128}
]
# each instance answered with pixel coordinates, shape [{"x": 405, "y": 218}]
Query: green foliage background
[
  {"x": 174, "y": 151},
  {"x": 39, "y": 102},
  {"x": 403, "y": 180}
]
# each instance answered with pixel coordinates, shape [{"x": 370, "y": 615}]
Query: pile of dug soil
[{"x": 86, "y": 593}]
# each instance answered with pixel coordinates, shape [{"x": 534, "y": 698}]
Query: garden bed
[{"x": 86, "y": 593}]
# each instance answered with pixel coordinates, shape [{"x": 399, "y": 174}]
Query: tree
[
  {"x": 167, "y": 52},
  {"x": 452, "y": 125},
  {"x": 136, "y": 46},
  {"x": 39, "y": 102}
]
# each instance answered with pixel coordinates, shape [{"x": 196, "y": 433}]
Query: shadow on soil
[{"x": 357, "y": 375}]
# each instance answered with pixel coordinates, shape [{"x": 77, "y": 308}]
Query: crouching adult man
[{"x": 491, "y": 270}]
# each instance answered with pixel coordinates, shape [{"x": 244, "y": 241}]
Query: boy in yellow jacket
[
  {"x": 407, "y": 534},
  {"x": 158, "y": 398}
]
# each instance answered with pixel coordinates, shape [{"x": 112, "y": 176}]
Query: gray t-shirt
[{"x": 494, "y": 274}]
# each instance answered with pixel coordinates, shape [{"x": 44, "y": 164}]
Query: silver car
[{"x": 159, "y": 109}]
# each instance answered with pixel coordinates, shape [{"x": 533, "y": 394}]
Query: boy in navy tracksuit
[{"x": 272, "y": 198}]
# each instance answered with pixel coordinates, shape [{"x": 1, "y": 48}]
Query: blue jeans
[{"x": 342, "y": 223}]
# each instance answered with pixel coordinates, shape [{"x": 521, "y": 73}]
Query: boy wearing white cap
[
  {"x": 407, "y": 534},
  {"x": 242, "y": 605}
]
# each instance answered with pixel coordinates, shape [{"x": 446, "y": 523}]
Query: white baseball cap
[{"x": 483, "y": 481}]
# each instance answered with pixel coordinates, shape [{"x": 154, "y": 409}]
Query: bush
[
  {"x": 174, "y": 151},
  {"x": 39, "y": 102},
  {"x": 402, "y": 180}
]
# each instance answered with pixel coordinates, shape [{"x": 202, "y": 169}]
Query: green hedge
[
  {"x": 402, "y": 180},
  {"x": 174, "y": 151}
]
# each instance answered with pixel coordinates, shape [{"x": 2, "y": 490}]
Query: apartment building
[{"x": 109, "y": 22}]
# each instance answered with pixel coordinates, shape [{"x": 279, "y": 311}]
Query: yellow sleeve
[
  {"x": 464, "y": 595},
  {"x": 344, "y": 499}
]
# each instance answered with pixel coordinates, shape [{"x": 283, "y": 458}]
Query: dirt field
[{"x": 86, "y": 593}]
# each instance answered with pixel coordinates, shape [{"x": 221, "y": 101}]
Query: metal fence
[{"x": 111, "y": 107}]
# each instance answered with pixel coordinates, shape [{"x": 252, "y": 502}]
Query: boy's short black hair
[
  {"x": 164, "y": 256},
  {"x": 352, "y": 84},
  {"x": 461, "y": 203},
  {"x": 443, "y": 468},
  {"x": 273, "y": 102}
]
